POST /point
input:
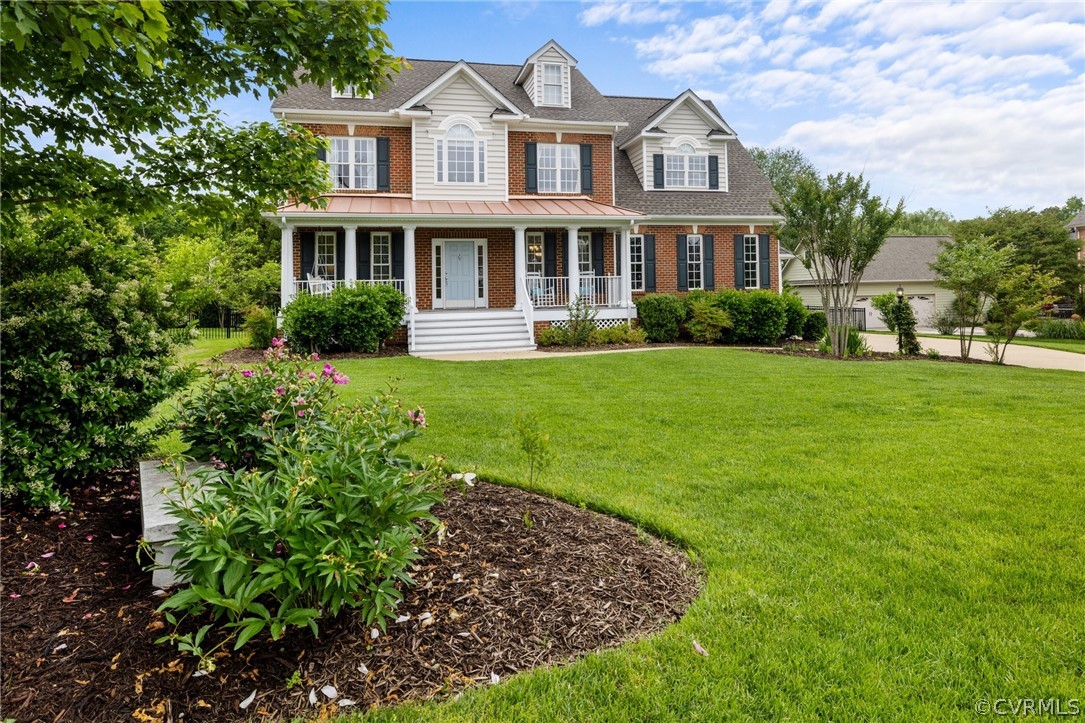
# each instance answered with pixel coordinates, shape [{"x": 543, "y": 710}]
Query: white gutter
[{"x": 461, "y": 220}]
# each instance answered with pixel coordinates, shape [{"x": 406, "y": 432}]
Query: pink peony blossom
[
  {"x": 246, "y": 373},
  {"x": 280, "y": 391},
  {"x": 338, "y": 378},
  {"x": 316, "y": 357},
  {"x": 61, "y": 526},
  {"x": 276, "y": 342},
  {"x": 312, "y": 375},
  {"x": 417, "y": 417},
  {"x": 301, "y": 412},
  {"x": 328, "y": 370}
]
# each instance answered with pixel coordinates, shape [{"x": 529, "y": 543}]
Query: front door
[{"x": 460, "y": 281}]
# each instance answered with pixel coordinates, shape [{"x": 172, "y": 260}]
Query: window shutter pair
[
  {"x": 659, "y": 179},
  {"x": 708, "y": 262},
  {"x": 531, "y": 168},
  {"x": 383, "y": 163},
  {"x": 764, "y": 271}
]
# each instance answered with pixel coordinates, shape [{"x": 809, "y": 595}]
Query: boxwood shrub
[
  {"x": 358, "y": 318},
  {"x": 661, "y": 316},
  {"x": 815, "y": 326},
  {"x": 796, "y": 313}
]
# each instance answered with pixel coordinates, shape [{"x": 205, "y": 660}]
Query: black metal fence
[
  {"x": 213, "y": 322},
  {"x": 855, "y": 318}
]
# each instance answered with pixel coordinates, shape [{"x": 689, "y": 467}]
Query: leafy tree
[
  {"x": 783, "y": 166},
  {"x": 1038, "y": 239},
  {"x": 1020, "y": 295},
  {"x": 114, "y": 74},
  {"x": 971, "y": 268},
  {"x": 1068, "y": 210},
  {"x": 930, "y": 222},
  {"x": 835, "y": 228}
]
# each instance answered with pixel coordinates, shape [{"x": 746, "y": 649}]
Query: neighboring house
[
  {"x": 492, "y": 195},
  {"x": 1077, "y": 230},
  {"x": 903, "y": 261}
]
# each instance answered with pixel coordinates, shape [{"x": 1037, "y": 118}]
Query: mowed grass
[{"x": 881, "y": 541}]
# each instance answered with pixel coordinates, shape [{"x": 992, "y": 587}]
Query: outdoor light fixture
[
  {"x": 900, "y": 337},
  {"x": 900, "y": 292}
]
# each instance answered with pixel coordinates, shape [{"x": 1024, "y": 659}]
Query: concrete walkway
[{"x": 1018, "y": 355}]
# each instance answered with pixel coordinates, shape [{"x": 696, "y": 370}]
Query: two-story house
[{"x": 493, "y": 195}]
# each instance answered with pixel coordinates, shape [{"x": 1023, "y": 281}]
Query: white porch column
[
  {"x": 520, "y": 256},
  {"x": 286, "y": 260},
  {"x": 409, "y": 271},
  {"x": 572, "y": 263},
  {"x": 627, "y": 270},
  {"x": 350, "y": 256}
]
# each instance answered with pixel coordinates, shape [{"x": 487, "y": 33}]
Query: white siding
[
  {"x": 684, "y": 121},
  {"x": 636, "y": 156},
  {"x": 461, "y": 98}
]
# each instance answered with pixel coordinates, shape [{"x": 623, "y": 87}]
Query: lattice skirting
[{"x": 599, "y": 323}]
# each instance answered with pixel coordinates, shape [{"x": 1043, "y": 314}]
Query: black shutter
[
  {"x": 714, "y": 173},
  {"x": 397, "y": 255},
  {"x": 550, "y": 254},
  {"x": 340, "y": 252},
  {"x": 383, "y": 157},
  {"x": 657, "y": 170},
  {"x": 618, "y": 254},
  {"x": 364, "y": 249},
  {"x": 597, "y": 252},
  {"x": 322, "y": 154},
  {"x": 739, "y": 266},
  {"x": 683, "y": 270},
  {"x": 585, "y": 167},
  {"x": 708, "y": 253},
  {"x": 531, "y": 167},
  {"x": 649, "y": 262},
  {"x": 763, "y": 260},
  {"x": 308, "y": 253}
]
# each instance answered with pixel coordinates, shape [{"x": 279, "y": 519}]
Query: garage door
[{"x": 923, "y": 306}]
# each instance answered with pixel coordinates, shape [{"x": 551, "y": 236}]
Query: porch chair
[{"x": 318, "y": 286}]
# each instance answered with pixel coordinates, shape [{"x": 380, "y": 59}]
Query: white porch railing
[
  {"x": 601, "y": 290},
  {"x": 320, "y": 287},
  {"x": 547, "y": 291}
]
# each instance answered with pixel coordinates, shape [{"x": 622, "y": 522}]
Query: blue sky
[{"x": 960, "y": 106}]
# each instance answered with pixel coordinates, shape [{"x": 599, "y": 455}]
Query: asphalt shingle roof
[{"x": 905, "y": 258}]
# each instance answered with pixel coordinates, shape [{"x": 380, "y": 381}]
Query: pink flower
[
  {"x": 280, "y": 391},
  {"x": 32, "y": 566},
  {"x": 312, "y": 375},
  {"x": 90, "y": 537},
  {"x": 328, "y": 370},
  {"x": 417, "y": 417},
  {"x": 276, "y": 342},
  {"x": 61, "y": 526},
  {"x": 301, "y": 413},
  {"x": 267, "y": 370},
  {"x": 48, "y": 554},
  {"x": 246, "y": 373},
  {"x": 14, "y": 596},
  {"x": 299, "y": 402},
  {"x": 316, "y": 357},
  {"x": 340, "y": 378}
]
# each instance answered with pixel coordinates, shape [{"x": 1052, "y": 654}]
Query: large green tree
[
  {"x": 835, "y": 227},
  {"x": 783, "y": 166},
  {"x": 929, "y": 222},
  {"x": 140, "y": 78},
  {"x": 1038, "y": 239},
  {"x": 971, "y": 267}
]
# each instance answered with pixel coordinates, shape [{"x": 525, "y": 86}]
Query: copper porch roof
[{"x": 384, "y": 206}]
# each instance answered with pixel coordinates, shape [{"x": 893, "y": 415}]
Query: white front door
[{"x": 461, "y": 282}]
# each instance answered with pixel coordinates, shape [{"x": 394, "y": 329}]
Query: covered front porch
[{"x": 466, "y": 259}]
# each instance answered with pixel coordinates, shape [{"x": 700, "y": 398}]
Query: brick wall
[
  {"x": 500, "y": 263},
  {"x": 601, "y": 162},
  {"x": 723, "y": 247},
  {"x": 399, "y": 151}
]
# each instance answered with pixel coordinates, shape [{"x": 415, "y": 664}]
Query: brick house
[{"x": 492, "y": 195}]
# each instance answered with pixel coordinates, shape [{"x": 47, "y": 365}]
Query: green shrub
[
  {"x": 707, "y": 322},
  {"x": 856, "y": 346},
  {"x": 945, "y": 322},
  {"x": 737, "y": 306},
  {"x": 551, "y": 336},
  {"x": 229, "y": 417},
  {"x": 1060, "y": 329},
  {"x": 815, "y": 326},
  {"x": 581, "y": 323},
  {"x": 767, "y": 319},
  {"x": 660, "y": 316},
  {"x": 261, "y": 324},
  {"x": 795, "y": 312},
  {"x": 87, "y": 355},
  {"x": 352, "y": 318},
  {"x": 884, "y": 304},
  {"x": 621, "y": 334},
  {"x": 334, "y": 523},
  {"x": 903, "y": 317}
]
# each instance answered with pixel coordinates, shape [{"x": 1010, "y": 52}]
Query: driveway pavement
[{"x": 1019, "y": 355}]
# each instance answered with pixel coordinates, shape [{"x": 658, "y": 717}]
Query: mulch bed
[
  {"x": 878, "y": 356},
  {"x": 255, "y": 356},
  {"x": 519, "y": 581}
]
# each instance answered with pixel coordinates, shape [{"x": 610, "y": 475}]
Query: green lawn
[
  {"x": 202, "y": 349},
  {"x": 882, "y": 541}
]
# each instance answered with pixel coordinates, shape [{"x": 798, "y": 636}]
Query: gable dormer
[{"x": 547, "y": 76}]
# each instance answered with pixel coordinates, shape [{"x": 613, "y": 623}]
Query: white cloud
[{"x": 627, "y": 13}]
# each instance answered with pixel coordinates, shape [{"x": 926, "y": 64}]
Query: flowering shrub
[
  {"x": 331, "y": 522},
  {"x": 86, "y": 353},
  {"x": 230, "y": 418}
]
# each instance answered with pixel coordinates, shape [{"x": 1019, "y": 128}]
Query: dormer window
[
  {"x": 686, "y": 169},
  {"x": 553, "y": 84}
]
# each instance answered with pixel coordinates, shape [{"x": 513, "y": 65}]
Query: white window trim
[
  {"x": 530, "y": 238},
  {"x": 700, "y": 262},
  {"x": 756, "y": 261},
  {"x": 384, "y": 236},
  {"x": 581, "y": 238},
  {"x": 559, "y": 168},
  {"x": 325, "y": 236},
  {"x": 563, "y": 92},
  {"x": 350, "y": 163},
  {"x": 632, "y": 264},
  {"x": 440, "y": 161},
  {"x": 685, "y": 185}
]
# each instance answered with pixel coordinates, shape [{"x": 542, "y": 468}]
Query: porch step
[{"x": 439, "y": 332}]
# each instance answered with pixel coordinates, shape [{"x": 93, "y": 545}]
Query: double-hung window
[
  {"x": 558, "y": 168},
  {"x": 354, "y": 163},
  {"x": 381, "y": 256},
  {"x": 553, "y": 83},
  {"x": 695, "y": 261},
  {"x": 583, "y": 253},
  {"x": 750, "y": 275},
  {"x": 534, "y": 253},
  {"x": 636, "y": 262},
  {"x": 325, "y": 255},
  {"x": 460, "y": 156},
  {"x": 686, "y": 169}
]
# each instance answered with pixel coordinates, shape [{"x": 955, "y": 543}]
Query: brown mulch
[
  {"x": 519, "y": 581},
  {"x": 254, "y": 356},
  {"x": 878, "y": 356}
]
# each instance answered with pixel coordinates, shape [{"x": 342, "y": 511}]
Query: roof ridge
[
  {"x": 469, "y": 62},
  {"x": 638, "y": 97}
]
